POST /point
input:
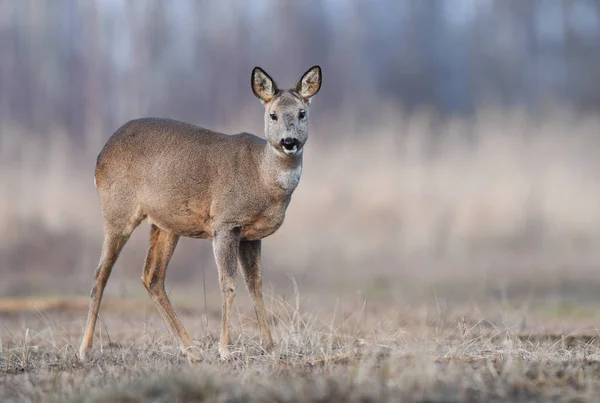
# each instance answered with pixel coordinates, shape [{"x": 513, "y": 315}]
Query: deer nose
[{"x": 289, "y": 143}]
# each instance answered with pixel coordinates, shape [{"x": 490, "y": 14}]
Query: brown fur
[{"x": 190, "y": 181}]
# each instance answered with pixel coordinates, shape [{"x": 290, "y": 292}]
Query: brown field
[
  {"x": 424, "y": 266},
  {"x": 457, "y": 341}
]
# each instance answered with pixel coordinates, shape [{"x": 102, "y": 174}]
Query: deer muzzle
[{"x": 290, "y": 145}]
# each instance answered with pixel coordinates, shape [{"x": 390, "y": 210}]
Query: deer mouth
[{"x": 290, "y": 145}]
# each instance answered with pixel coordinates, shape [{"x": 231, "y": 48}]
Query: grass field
[
  {"x": 436, "y": 347},
  {"x": 422, "y": 259}
]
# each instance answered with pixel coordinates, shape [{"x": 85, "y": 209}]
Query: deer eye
[
  {"x": 301, "y": 114},
  {"x": 273, "y": 116}
]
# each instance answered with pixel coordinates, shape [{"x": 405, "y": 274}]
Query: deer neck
[{"x": 281, "y": 172}]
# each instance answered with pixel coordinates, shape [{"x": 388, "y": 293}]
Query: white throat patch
[{"x": 288, "y": 179}]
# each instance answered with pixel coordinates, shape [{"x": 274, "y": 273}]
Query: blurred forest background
[{"x": 451, "y": 139}]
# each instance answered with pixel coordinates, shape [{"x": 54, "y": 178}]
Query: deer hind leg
[
  {"x": 162, "y": 245},
  {"x": 226, "y": 245},
  {"x": 250, "y": 263},
  {"x": 114, "y": 240}
]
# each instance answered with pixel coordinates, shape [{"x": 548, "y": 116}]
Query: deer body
[{"x": 190, "y": 181}]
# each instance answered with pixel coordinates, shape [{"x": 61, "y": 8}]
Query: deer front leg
[
  {"x": 226, "y": 244},
  {"x": 250, "y": 263}
]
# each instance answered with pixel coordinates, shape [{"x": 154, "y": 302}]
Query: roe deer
[{"x": 190, "y": 181}]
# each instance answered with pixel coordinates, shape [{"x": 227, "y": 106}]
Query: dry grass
[
  {"x": 439, "y": 260},
  {"x": 379, "y": 190},
  {"x": 372, "y": 351}
]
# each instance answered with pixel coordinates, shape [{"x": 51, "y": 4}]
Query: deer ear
[
  {"x": 263, "y": 85},
  {"x": 310, "y": 83}
]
